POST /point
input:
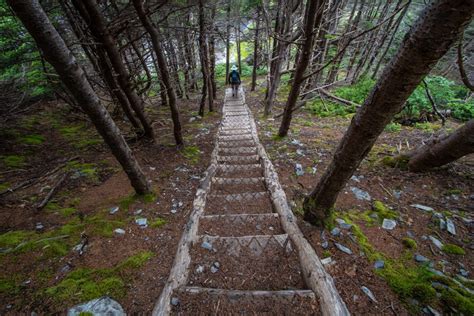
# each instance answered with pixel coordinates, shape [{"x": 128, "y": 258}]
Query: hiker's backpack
[{"x": 234, "y": 76}]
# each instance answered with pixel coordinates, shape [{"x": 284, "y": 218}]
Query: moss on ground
[
  {"x": 453, "y": 249},
  {"x": 158, "y": 222},
  {"x": 13, "y": 161},
  {"x": 33, "y": 139},
  {"x": 4, "y": 186},
  {"x": 409, "y": 243},
  {"x": 84, "y": 284},
  {"x": 53, "y": 207},
  {"x": 400, "y": 161},
  {"x": 129, "y": 200},
  {"x": 191, "y": 153}
]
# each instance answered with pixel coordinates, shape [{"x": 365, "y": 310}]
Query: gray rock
[
  {"x": 296, "y": 142},
  {"x": 99, "y": 306},
  {"x": 355, "y": 178},
  {"x": 464, "y": 272},
  {"x": 438, "y": 285},
  {"x": 374, "y": 215},
  {"x": 450, "y": 226},
  {"x": 343, "y": 248},
  {"x": 39, "y": 226},
  {"x": 437, "y": 272},
  {"x": 424, "y": 238},
  {"x": 340, "y": 221},
  {"x": 379, "y": 264},
  {"x": 369, "y": 293},
  {"x": 200, "y": 269},
  {"x": 206, "y": 245},
  {"x": 325, "y": 244},
  {"x": 336, "y": 231},
  {"x": 389, "y": 224},
  {"x": 397, "y": 194},
  {"x": 300, "y": 152},
  {"x": 431, "y": 311},
  {"x": 215, "y": 267},
  {"x": 422, "y": 207},
  {"x": 346, "y": 226},
  {"x": 326, "y": 261},
  {"x": 138, "y": 212},
  {"x": 174, "y": 301},
  {"x": 142, "y": 222},
  {"x": 114, "y": 210},
  {"x": 314, "y": 170},
  {"x": 442, "y": 224},
  {"x": 438, "y": 215},
  {"x": 436, "y": 242},
  {"x": 119, "y": 231},
  {"x": 420, "y": 258},
  {"x": 361, "y": 194},
  {"x": 410, "y": 234},
  {"x": 299, "y": 169}
]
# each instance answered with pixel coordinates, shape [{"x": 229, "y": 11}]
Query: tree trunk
[
  {"x": 212, "y": 54},
  {"x": 227, "y": 45},
  {"x": 204, "y": 52},
  {"x": 155, "y": 40},
  {"x": 60, "y": 57},
  {"x": 437, "y": 28},
  {"x": 313, "y": 17},
  {"x": 101, "y": 33},
  {"x": 446, "y": 150},
  {"x": 255, "y": 52}
]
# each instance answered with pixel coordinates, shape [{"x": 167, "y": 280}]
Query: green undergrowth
[
  {"x": 191, "y": 153},
  {"x": 54, "y": 207},
  {"x": 84, "y": 284},
  {"x": 129, "y": 200},
  {"x": 408, "y": 279},
  {"x": 453, "y": 249},
  {"x": 33, "y": 139},
  {"x": 330, "y": 109},
  {"x": 400, "y": 161},
  {"x": 157, "y": 222},
  {"x": 88, "y": 170},
  {"x": 80, "y": 136},
  {"x": 13, "y": 161},
  {"x": 393, "y": 127},
  {"x": 4, "y": 186}
]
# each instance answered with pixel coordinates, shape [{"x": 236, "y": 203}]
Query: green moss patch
[
  {"x": 400, "y": 161},
  {"x": 13, "y": 161},
  {"x": 453, "y": 249},
  {"x": 158, "y": 222},
  {"x": 129, "y": 200},
  {"x": 34, "y": 139},
  {"x": 409, "y": 243},
  {"x": 85, "y": 284},
  {"x": 4, "y": 186},
  {"x": 191, "y": 153},
  {"x": 383, "y": 211}
]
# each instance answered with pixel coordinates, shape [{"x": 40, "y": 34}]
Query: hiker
[{"x": 234, "y": 80}]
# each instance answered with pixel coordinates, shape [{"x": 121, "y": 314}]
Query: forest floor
[{"x": 44, "y": 271}]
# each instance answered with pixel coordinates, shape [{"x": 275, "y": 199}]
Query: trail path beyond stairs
[{"x": 241, "y": 251}]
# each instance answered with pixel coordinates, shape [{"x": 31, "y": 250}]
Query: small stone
[
  {"x": 99, "y": 306},
  {"x": 389, "y": 224},
  {"x": 326, "y": 261},
  {"x": 340, "y": 221},
  {"x": 379, "y": 264},
  {"x": 200, "y": 269},
  {"x": 431, "y": 311},
  {"x": 436, "y": 242},
  {"x": 420, "y": 258},
  {"x": 215, "y": 267},
  {"x": 464, "y": 272},
  {"x": 174, "y": 301},
  {"x": 299, "y": 169},
  {"x": 361, "y": 194},
  {"x": 39, "y": 226},
  {"x": 439, "y": 285},
  {"x": 296, "y": 142},
  {"x": 374, "y": 216},
  {"x": 343, "y": 248},
  {"x": 138, "y": 212},
  {"x": 119, "y": 231},
  {"x": 335, "y": 231},
  {"x": 355, "y": 178},
  {"x": 422, "y": 207},
  {"x": 271, "y": 228},
  {"x": 142, "y": 222},
  {"x": 410, "y": 234},
  {"x": 206, "y": 245},
  {"x": 369, "y": 293},
  {"x": 300, "y": 152},
  {"x": 114, "y": 210},
  {"x": 438, "y": 215},
  {"x": 442, "y": 224},
  {"x": 325, "y": 244},
  {"x": 397, "y": 194},
  {"x": 345, "y": 226},
  {"x": 450, "y": 226},
  {"x": 258, "y": 227},
  {"x": 424, "y": 238}
]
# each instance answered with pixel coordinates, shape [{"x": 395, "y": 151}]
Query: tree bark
[
  {"x": 313, "y": 17},
  {"x": 204, "y": 52},
  {"x": 101, "y": 33},
  {"x": 437, "y": 28},
  {"x": 255, "y": 52},
  {"x": 227, "y": 45},
  {"x": 445, "y": 150},
  {"x": 462, "y": 71},
  {"x": 165, "y": 76},
  {"x": 60, "y": 57}
]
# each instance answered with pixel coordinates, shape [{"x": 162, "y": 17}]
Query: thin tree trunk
[
  {"x": 437, "y": 28},
  {"x": 102, "y": 34},
  {"x": 462, "y": 71},
  {"x": 313, "y": 17},
  {"x": 212, "y": 54},
  {"x": 227, "y": 45},
  {"x": 255, "y": 52},
  {"x": 203, "y": 48},
  {"x": 155, "y": 39},
  {"x": 446, "y": 150},
  {"x": 60, "y": 57}
]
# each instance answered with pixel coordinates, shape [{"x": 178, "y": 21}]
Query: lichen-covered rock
[{"x": 104, "y": 306}]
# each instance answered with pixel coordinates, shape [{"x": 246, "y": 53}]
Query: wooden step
[
  {"x": 234, "y": 144},
  {"x": 221, "y": 180},
  {"x": 247, "y": 159},
  {"x": 238, "y": 150},
  {"x": 240, "y": 225}
]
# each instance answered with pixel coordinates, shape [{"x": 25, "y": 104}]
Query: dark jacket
[{"x": 238, "y": 76}]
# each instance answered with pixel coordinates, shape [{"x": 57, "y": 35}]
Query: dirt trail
[{"x": 235, "y": 255}]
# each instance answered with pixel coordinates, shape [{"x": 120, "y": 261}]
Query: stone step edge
[
  {"x": 224, "y": 216},
  {"x": 240, "y": 293}
]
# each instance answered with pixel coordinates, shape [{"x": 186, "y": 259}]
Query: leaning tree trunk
[
  {"x": 99, "y": 29},
  {"x": 443, "y": 151},
  {"x": 437, "y": 28},
  {"x": 165, "y": 76},
  {"x": 312, "y": 17},
  {"x": 60, "y": 57}
]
